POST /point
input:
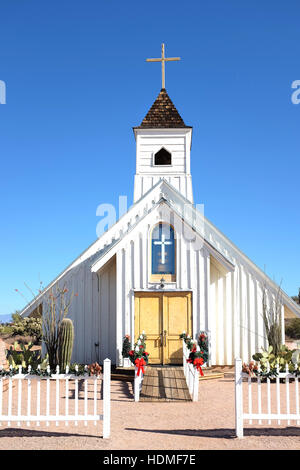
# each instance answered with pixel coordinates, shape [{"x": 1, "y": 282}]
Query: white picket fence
[
  {"x": 267, "y": 402},
  {"x": 138, "y": 382},
  {"x": 191, "y": 373},
  {"x": 28, "y": 398}
]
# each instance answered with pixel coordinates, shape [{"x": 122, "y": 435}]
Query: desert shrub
[
  {"x": 272, "y": 319},
  {"x": 56, "y": 309},
  {"x": 5, "y": 329},
  {"x": 22, "y": 355},
  {"x": 16, "y": 317},
  {"x": 28, "y": 327},
  {"x": 292, "y": 328}
]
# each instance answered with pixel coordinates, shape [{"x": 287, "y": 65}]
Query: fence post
[
  {"x": 137, "y": 384},
  {"x": 238, "y": 399},
  {"x": 209, "y": 348},
  {"x": 196, "y": 385},
  {"x": 183, "y": 358},
  {"x": 106, "y": 398}
]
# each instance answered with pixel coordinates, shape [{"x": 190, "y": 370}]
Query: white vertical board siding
[
  {"x": 96, "y": 315},
  {"x": 207, "y": 301},
  {"x": 112, "y": 316},
  {"x": 228, "y": 330},
  {"x": 202, "y": 276},
  {"x": 248, "y": 302},
  {"x": 119, "y": 305},
  {"x": 199, "y": 316},
  {"x": 221, "y": 334},
  {"x": 184, "y": 281},
  {"x": 178, "y": 143},
  {"x": 77, "y": 314},
  {"x": 179, "y": 262},
  {"x": 261, "y": 329},
  {"x": 235, "y": 344},
  {"x": 89, "y": 343},
  {"x": 128, "y": 285},
  {"x": 252, "y": 316},
  {"x": 104, "y": 311},
  {"x": 235, "y": 315},
  {"x": 241, "y": 319},
  {"x": 194, "y": 274},
  {"x": 256, "y": 313},
  {"x": 213, "y": 312}
]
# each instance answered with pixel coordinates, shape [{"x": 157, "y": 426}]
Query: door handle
[{"x": 165, "y": 336}]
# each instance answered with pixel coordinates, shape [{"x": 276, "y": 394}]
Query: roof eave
[{"x": 135, "y": 129}]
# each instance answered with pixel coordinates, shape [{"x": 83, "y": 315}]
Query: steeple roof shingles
[{"x": 162, "y": 114}]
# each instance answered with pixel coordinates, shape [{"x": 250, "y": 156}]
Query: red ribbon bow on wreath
[
  {"x": 140, "y": 363},
  {"x": 198, "y": 362}
]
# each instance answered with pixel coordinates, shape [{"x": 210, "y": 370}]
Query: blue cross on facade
[{"x": 163, "y": 250}]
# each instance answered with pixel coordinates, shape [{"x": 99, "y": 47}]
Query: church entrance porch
[{"x": 163, "y": 316}]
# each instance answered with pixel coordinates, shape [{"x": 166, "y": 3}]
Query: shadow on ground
[
  {"x": 19, "y": 432},
  {"x": 125, "y": 391},
  {"x": 225, "y": 433}
]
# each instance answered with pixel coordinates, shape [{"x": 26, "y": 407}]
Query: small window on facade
[{"x": 162, "y": 157}]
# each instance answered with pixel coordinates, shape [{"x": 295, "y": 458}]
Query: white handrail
[
  {"x": 138, "y": 382},
  {"x": 191, "y": 373}
]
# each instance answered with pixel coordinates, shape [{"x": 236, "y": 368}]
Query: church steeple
[{"x": 163, "y": 144}]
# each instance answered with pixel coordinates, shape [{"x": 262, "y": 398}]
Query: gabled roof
[
  {"x": 162, "y": 114},
  {"x": 103, "y": 248}
]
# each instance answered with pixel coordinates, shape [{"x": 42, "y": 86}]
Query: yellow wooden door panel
[
  {"x": 177, "y": 316},
  {"x": 148, "y": 318}
]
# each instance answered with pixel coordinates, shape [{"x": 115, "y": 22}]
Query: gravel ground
[{"x": 208, "y": 424}]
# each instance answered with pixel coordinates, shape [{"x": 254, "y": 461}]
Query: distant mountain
[{"x": 5, "y": 318}]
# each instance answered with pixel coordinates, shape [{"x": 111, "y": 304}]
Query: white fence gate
[
  {"x": 267, "y": 401},
  {"x": 191, "y": 373},
  {"x": 41, "y": 400}
]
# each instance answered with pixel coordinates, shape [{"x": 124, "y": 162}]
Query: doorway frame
[{"x": 161, "y": 294}]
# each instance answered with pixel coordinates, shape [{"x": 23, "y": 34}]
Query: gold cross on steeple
[{"x": 163, "y": 60}]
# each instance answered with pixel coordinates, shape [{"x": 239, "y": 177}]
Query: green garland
[
  {"x": 75, "y": 369},
  {"x": 202, "y": 343},
  {"x": 272, "y": 373},
  {"x": 139, "y": 350}
]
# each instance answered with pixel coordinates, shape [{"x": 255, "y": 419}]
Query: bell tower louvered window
[{"x": 163, "y": 157}]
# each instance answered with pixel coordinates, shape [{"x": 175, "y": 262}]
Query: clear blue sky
[{"x": 77, "y": 82}]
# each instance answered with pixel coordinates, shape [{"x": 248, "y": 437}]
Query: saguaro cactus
[{"x": 65, "y": 343}]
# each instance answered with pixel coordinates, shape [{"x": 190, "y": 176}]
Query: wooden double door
[{"x": 163, "y": 316}]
